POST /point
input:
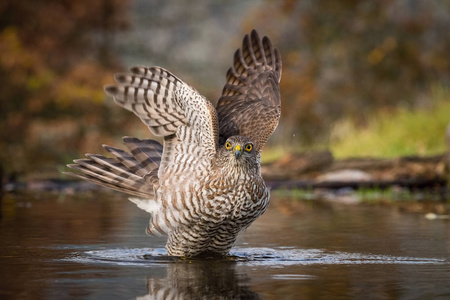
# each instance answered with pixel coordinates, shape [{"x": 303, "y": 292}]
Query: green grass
[
  {"x": 392, "y": 134},
  {"x": 271, "y": 154}
]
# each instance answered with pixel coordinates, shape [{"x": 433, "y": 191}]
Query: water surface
[{"x": 93, "y": 246}]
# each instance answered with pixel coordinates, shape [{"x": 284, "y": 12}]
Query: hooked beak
[{"x": 237, "y": 151}]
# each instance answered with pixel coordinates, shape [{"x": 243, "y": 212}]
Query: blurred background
[{"x": 360, "y": 77}]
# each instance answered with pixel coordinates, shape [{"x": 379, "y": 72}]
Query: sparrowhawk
[{"x": 203, "y": 185}]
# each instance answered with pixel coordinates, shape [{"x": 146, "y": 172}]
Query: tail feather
[
  {"x": 91, "y": 166},
  {"x": 146, "y": 152},
  {"x": 108, "y": 185},
  {"x": 152, "y": 177},
  {"x": 103, "y": 177},
  {"x": 113, "y": 164},
  {"x": 126, "y": 159},
  {"x": 135, "y": 174}
]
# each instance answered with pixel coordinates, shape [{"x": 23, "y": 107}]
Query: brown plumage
[{"x": 204, "y": 185}]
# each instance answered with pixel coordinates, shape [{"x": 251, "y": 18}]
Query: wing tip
[
  {"x": 74, "y": 166},
  {"x": 108, "y": 148},
  {"x": 121, "y": 77},
  {"x": 138, "y": 70},
  {"x": 130, "y": 139},
  {"x": 254, "y": 35},
  {"x": 111, "y": 90}
]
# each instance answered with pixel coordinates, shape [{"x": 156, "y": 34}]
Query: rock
[{"x": 346, "y": 175}]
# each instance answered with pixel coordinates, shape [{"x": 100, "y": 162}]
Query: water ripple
[{"x": 250, "y": 256}]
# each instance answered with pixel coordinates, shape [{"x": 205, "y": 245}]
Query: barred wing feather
[
  {"x": 250, "y": 101},
  {"x": 171, "y": 109}
]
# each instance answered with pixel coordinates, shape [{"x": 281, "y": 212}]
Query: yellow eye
[
  {"x": 228, "y": 145},
  {"x": 248, "y": 147}
]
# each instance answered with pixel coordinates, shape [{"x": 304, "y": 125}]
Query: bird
[{"x": 203, "y": 185}]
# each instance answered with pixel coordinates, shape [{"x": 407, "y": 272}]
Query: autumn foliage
[
  {"x": 54, "y": 60},
  {"x": 341, "y": 60}
]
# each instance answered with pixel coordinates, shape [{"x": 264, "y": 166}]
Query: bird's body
[
  {"x": 211, "y": 208},
  {"x": 204, "y": 185}
]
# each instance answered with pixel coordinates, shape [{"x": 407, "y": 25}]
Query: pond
[{"x": 93, "y": 246}]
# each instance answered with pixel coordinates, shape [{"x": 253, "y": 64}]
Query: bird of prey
[{"x": 203, "y": 185}]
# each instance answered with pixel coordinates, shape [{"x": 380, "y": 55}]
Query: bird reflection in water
[{"x": 200, "y": 279}]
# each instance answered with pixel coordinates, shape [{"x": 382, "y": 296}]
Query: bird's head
[{"x": 239, "y": 151}]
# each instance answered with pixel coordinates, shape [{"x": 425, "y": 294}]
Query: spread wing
[
  {"x": 250, "y": 101},
  {"x": 171, "y": 109}
]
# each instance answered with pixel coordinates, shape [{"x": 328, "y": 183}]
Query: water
[{"x": 94, "y": 247}]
